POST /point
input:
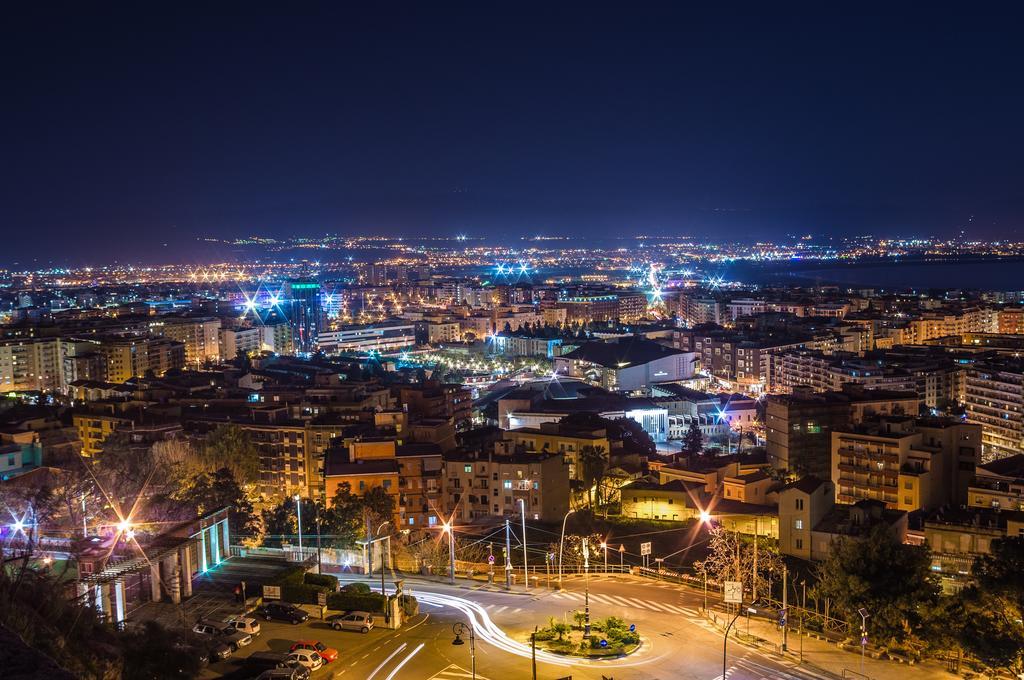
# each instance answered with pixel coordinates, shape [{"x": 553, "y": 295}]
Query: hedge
[
  {"x": 373, "y": 602},
  {"x": 326, "y": 580},
  {"x": 297, "y": 586}
]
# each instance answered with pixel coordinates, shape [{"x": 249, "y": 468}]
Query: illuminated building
[
  {"x": 305, "y": 313},
  {"x": 994, "y": 398}
]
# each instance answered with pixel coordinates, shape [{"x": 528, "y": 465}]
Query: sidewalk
[{"x": 821, "y": 657}]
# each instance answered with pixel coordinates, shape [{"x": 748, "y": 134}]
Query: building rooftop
[{"x": 625, "y": 352}]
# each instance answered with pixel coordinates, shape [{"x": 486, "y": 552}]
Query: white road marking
[{"x": 405, "y": 661}]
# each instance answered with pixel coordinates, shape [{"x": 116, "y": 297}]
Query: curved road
[{"x": 678, "y": 643}]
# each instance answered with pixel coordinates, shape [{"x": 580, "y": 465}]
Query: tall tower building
[{"x": 304, "y": 312}]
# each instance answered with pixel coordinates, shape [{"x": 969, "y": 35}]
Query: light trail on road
[
  {"x": 489, "y": 632},
  {"x": 384, "y": 662},
  {"x": 404, "y": 661}
]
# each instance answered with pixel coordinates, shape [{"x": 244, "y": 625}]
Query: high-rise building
[{"x": 305, "y": 313}]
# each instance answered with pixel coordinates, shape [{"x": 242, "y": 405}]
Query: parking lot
[{"x": 276, "y": 636}]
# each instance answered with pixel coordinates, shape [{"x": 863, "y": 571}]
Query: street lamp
[
  {"x": 446, "y": 527},
  {"x": 604, "y": 547},
  {"x": 387, "y": 608},
  {"x": 298, "y": 513},
  {"x": 561, "y": 541},
  {"x": 461, "y": 629},
  {"x": 864, "y": 616}
]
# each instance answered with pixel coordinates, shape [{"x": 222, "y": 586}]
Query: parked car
[
  {"x": 222, "y": 631},
  {"x": 361, "y": 621},
  {"x": 245, "y": 624},
  {"x": 329, "y": 654},
  {"x": 307, "y": 658},
  {"x": 267, "y": 661},
  {"x": 282, "y": 611}
]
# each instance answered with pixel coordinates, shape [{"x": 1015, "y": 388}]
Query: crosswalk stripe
[
  {"x": 500, "y": 609},
  {"x": 621, "y": 601},
  {"x": 659, "y": 607}
]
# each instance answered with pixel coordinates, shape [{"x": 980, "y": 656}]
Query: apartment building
[
  {"x": 799, "y": 426},
  {"x": 386, "y": 336},
  {"x": 998, "y": 484},
  {"x": 235, "y": 341},
  {"x": 994, "y": 399},
  {"x": 478, "y": 486},
  {"x": 201, "y": 336},
  {"x": 803, "y": 504},
  {"x": 437, "y": 400},
  {"x": 30, "y": 364},
  {"x": 908, "y": 464}
]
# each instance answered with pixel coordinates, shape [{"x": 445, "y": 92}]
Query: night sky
[{"x": 128, "y": 127}]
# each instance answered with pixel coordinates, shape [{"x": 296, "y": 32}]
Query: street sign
[
  {"x": 863, "y": 640},
  {"x": 632, "y": 628},
  {"x": 490, "y": 559},
  {"x": 782, "y": 616},
  {"x": 733, "y": 592},
  {"x": 271, "y": 592},
  {"x": 604, "y": 643},
  {"x": 645, "y": 548},
  {"x": 321, "y": 599}
]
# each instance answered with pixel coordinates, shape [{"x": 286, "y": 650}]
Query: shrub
[
  {"x": 357, "y": 588},
  {"x": 544, "y": 634},
  {"x": 326, "y": 580},
  {"x": 371, "y": 602}
]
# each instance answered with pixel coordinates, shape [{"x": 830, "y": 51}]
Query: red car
[{"x": 329, "y": 654}]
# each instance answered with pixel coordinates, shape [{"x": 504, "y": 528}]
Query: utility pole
[
  {"x": 526, "y": 567},
  {"x": 785, "y": 600},
  {"x": 533, "y": 651},
  {"x": 298, "y": 512},
  {"x": 586, "y": 605},
  {"x": 508, "y": 556},
  {"x": 753, "y": 576}
]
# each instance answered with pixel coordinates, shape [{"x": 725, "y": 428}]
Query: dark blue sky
[{"x": 125, "y": 127}]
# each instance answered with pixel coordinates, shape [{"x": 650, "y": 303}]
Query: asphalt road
[{"x": 677, "y": 643}]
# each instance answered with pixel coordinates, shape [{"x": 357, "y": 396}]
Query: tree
[
  {"x": 892, "y": 581},
  {"x": 343, "y": 522},
  {"x": 635, "y": 438},
  {"x": 220, "y": 489},
  {"x": 593, "y": 465},
  {"x": 152, "y": 652},
  {"x": 1002, "y": 572},
  {"x": 379, "y": 506},
  {"x": 693, "y": 443},
  {"x": 230, "y": 446}
]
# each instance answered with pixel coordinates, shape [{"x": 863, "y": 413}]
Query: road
[{"x": 677, "y": 642}]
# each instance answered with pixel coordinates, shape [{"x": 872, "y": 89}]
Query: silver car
[{"x": 361, "y": 621}]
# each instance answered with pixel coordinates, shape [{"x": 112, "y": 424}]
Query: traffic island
[{"x": 609, "y": 638}]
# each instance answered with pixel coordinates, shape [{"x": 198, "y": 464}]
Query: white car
[
  {"x": 245, "y": 624},
  {"x": 306, "y": 658}
]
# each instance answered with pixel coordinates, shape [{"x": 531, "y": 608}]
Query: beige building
[
  {"x": 908, "y": 464},
  {"x": 201, "y": 336}
]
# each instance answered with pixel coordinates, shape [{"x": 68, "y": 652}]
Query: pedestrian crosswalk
[
  {"x": 454, "y": 672},
  {"x": 628, "y": 603}
]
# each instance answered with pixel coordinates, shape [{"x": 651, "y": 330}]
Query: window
[
  {"x": 909, "y": 484},
  {"x": 412, "y": 520},
  {"x": 799, "y": 503},
  {"x": 798, "y": 524},
  {"x": 362, "y": 485},
  {"x": 467, "y": 468},
  {"x": 799, "y": 544},
  {"x": 907, "y": 500},
  {"x": 387, "y": 483},
  {"x": 507, "y": 484},
  {"x": 536, "y": 486}
]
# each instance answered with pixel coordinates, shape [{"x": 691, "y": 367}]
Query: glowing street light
[{"x": 447, "y": 528}]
